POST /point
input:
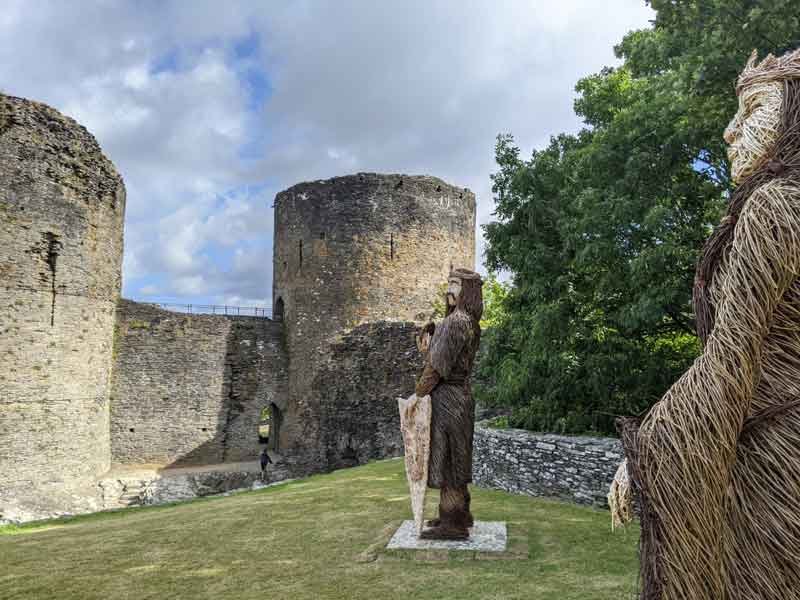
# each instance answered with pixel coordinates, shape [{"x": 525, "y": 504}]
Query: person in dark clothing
[{"x": 265, "y": 460}]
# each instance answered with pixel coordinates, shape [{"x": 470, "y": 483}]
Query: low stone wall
[
  {"x": 575, "y": 468},
  {"x": 141, "y": 487}
]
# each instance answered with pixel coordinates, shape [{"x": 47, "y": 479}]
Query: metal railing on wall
[{"x": 216, "y": 309}]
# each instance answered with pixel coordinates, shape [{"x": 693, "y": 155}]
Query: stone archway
[
  {"x": 277, "y": 421},
  {"x": 269, "y": 427}
]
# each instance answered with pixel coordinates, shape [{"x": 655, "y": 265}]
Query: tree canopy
[{"x": 601, "y": 229}]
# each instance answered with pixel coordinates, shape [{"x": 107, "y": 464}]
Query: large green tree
[{"x": 601, "y": 230}]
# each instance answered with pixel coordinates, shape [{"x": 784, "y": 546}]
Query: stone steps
[{"x": 133, "y": 495}]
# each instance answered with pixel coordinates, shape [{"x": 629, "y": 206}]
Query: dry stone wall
[
  {"x": 575, "y": 468},
  {"x": 62, "y": 207},
  {"x": 188, "y": 389}
]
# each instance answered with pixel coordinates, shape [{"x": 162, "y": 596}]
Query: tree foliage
[{"x": 601, "y": 230}]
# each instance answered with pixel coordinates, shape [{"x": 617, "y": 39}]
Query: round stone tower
[
  {"x": 62, "y": 205},
  {"x": 357, "y": 249}
]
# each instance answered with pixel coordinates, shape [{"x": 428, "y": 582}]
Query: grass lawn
[{"x": 321, "y": 537}]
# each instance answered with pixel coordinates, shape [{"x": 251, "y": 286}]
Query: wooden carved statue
[
  {"x": 446, "y": 378},
  {"x": 715, "y": 464}
]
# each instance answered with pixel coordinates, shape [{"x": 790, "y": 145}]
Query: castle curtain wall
[
  {"x": 89, "y": 381},
  {"x": 189, "y": 389}
]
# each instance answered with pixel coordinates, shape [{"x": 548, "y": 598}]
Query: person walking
[{"x": 265, "y": 460}]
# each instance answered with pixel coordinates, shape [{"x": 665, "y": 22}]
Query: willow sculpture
[{"x": 715, "y": 464}]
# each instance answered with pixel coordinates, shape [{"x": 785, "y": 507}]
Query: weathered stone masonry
[
  {"x": 366, "y": 370},
  {"x": 62, "y": 206},
  {"x": 91, "y": 385},
  {"x": 353, "y": 250},
  {"x": 188, "y": 389},
  {"x": 575, "y": 468}
]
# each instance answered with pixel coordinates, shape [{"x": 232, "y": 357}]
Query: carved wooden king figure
[{"x": 446, "y": 377}]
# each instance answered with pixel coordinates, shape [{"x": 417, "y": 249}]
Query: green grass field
[{"x": 321, "y": 537}]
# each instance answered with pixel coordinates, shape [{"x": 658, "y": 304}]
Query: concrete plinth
[{"x": 485, "y": 536}]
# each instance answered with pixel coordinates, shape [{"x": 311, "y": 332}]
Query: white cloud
[
  {"x": 422, "y": 88},
  {"x": 427, "y": 90},
  {"x": 149, "y": 290}
]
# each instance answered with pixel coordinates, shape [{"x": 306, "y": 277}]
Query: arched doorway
[
  {"x": 277, "y": 420},
  {"x": 269, "y": 427}
]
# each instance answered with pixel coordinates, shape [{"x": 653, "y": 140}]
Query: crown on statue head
[
  {"x": 462, "y": 273},
  {"x": 770, "y": 69}
]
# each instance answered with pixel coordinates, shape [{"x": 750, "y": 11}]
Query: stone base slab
[{"x": 485, "y": 536}]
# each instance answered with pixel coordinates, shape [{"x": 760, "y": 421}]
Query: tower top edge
[
  {"x": 34, "y": 124},
  {"x": 396, "y": 180}
]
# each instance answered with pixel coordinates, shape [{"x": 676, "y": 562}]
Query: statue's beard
[
  {"x": 746, "y": 161},
  {"x": 448, "y": 305}
]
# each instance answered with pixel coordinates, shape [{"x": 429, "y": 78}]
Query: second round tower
[{"x": 355, "y": 249}]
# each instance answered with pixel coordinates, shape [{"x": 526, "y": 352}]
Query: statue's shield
[{"x": 415, "y": 424}]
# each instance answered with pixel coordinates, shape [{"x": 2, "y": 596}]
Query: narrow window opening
[
  {"x": 53, "y": 250},
  {"x": 300, "y": 246},
  {"x": 277, "y": 314},
  {"x": 322, "y": 235},
  {"x": 391, "y": 246},
  {"x": 132, "y": 430}
]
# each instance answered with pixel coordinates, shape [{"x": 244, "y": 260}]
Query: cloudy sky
[{"x": 210, "y": 108}]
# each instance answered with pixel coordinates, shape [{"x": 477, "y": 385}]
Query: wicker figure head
[
  {"x": 752, "y": 133},
  {"x": 754, "y": 130},
  {"x": 764, "y": 139}
]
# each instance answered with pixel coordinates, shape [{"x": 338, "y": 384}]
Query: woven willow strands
[
  {"x": 760, "y": 106},
  {"x": 620, "y": 497},
  {"x": 716, "y": 463}
]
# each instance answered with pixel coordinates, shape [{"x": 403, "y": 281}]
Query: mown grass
[{"x": 321, "y": 537}]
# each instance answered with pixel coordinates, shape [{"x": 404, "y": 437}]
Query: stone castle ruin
[{"x": 93, "y": 385}]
